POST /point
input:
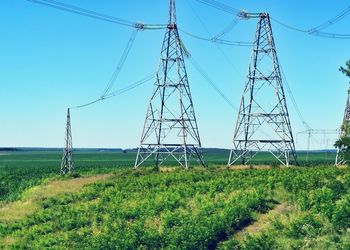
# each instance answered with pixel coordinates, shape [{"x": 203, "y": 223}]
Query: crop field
[{"x": 110, "y": 206}]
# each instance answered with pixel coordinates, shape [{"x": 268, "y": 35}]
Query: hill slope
[{"x": 193, "y": 209}]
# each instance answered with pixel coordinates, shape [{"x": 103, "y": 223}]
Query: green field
[
  {"x": 111, "y": 206},
  {"x": 20, "y": 170}
]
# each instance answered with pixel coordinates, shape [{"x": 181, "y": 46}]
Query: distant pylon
[
  {"x": 67, "y": 159},
  {"x": 346, "y": 121},
  {"x": 263, "y": 123},
  {"x": 170, "y": 130}
]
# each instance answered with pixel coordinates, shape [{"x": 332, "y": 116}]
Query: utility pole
[
  {"x": 170, "y": 129},
  {"x": 263, "y": 123},
  {"x": 67, "y": 165},
  {"x": 310, "y": 132},
  {"x": 343, "y": 130}
]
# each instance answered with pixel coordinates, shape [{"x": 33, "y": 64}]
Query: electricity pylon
[
  {"x": 339, "y": 160},
  {"x": 170, "y": 130},
  {"x": 263, "y": 123},
  {"x": 67, "y": 165}
]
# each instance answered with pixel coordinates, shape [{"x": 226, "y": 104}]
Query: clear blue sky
[{"x": 50, "y": 60}]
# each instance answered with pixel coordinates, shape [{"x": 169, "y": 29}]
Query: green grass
[
  {"x": 194, "y": 209},
  {"x": 21, "y": 170}
]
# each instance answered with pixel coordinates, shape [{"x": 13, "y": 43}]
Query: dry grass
[
  {"x": 167, "y": 169},
  {"x": 32, "y": 198},
  {"x": 342, "y": 166},
  {"x": 264, "y": 220},
  {"x": 242, "y": 167},
  {"x": 7, "y": 241}
]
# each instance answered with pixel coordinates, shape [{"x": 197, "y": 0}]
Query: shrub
[
  {"x": 341, "y": 215},
  {"x": 261, "y": 241},
  {"x": 305, "y": 226}
]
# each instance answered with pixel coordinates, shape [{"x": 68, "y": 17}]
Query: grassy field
[
  {"x": 111, "y": 206},
  {"x": 20, "y": 170}
]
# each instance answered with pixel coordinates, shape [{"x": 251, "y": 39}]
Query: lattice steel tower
[
  {"x": 170, "y": 130},
  {"x": 339, "y": 160},
  {"x": 263, "y": 123},
  {"x": 67, "y": 165}
]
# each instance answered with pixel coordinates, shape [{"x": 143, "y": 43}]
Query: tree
[
  {"x": 343, "y": 144},
  {"x": 346, "y": 70}
]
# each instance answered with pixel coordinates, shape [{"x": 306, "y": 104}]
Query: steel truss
[
  {"x": 263, "y": 123},
  {"x": 170, "y": 130},
  {"x": 67, "y": 165}
]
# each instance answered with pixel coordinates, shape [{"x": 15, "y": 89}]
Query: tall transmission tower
[
  {"x": 346, "y": 121},
  {"x": 170, "y": 130},
  {"x": 67, "y": 159},
  {"x": 263, "y": 123}
]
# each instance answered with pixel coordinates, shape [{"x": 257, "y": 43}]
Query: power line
[
  {"x": 211, "y": 83},
  {"x": 315, "y": 31},
  {"x": 288, "y": 26},
  {"x": 216, "y": 38},
  {"x": 130, "y": 87},
  {"x": 295, "y": 104},
  {"x": 332, "y": 21},
  {"x": 120, "y": 63},
  {"x": 96, "y": 15},
  {"x": 218, "y": 41},
  {"x": 331, "y": 35},
  {"x": 220, "y": 6},
  {"x": 227, "y": 29},
  {"x": 117, "y": 92}
]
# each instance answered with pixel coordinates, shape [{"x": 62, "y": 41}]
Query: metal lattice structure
[
  {"x": 67, "y": 165},
  {"x": 263, "y": 123},
  {"x": 170, "y": 131},
  {"x": 346, "y": 121}
]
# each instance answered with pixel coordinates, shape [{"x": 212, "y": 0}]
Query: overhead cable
[
  {"x": 96, "y": 15},
  {"x": 331, "y": 21},
  {"x": 117, "y": 92},
  {"x": 219, "y": 41},
  {"x": 219, "y": 48},
  {"x": 220, "y": 6},
  {"x": 211, "y": 83},
  {"x": 315, "y": 31},
  {"x": 295, "y": 104},
  {"x": 121, "y": 63},
  {"x": 227, "y": 29}
]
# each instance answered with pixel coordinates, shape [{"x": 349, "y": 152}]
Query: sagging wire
[
  {"x": 295, "y": 104},
  {"x": 315, "y": 31},
  {"x": 218, "y": 41},
  {"x": 121, "y": 63},
  {"x": 117, "y": 92},
  {"x": 220, "y": 6},
  {"x": 96, "y": 15},
  {"x": 217, "y": 38},
  {"x": 202, "y": 72}
]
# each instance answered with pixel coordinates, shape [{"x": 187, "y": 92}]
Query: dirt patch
[
  {"x": 31, "y": 199},
  {"x": 263, "y": 221}
]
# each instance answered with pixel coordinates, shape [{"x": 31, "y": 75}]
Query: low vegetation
[
  {"x": 214, "y": 208},
  {"x": 111, "y": 206}
]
